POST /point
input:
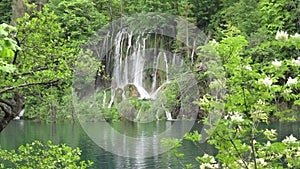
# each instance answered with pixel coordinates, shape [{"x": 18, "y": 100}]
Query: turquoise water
[{"x": 21, "y": 132}]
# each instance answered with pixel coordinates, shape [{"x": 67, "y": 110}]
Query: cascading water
[
  {"x": 167, "y": 112},
  {"x": 104, "y": 98},
  {"x": 168, "y": 115},
  {"x": 111, "y": 99},
  {"x": 167, "y": 67},
  {"x": 144, "y": 79},
  {"x": 139, "y": 66},
  {"x": 130, "y": 65}
]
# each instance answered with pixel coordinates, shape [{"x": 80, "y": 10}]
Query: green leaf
[
  {"x": 3, "y": 32},
  {"x": 297, "y": 102}
]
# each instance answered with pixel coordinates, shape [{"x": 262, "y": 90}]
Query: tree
[
  {"x": 7, "y": 48},
  {"x": 80, "y": 18},
  {"x": 44, "y": 61},
  {"x": 18, "y": 10},
  {"x": 254, "y": 95},
  {"x": 5, "y": 11}
]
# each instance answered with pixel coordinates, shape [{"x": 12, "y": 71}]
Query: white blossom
[
  {"x": 259, "y": 115},
  {"x": 291, "y": 81},
  {"x": 214, "y": 42},
  {"x": 281, "y": 35},
  {"x": 295, "y": 36},
  {"x": 290, "y": 139},
  {"x": 261, "y": 102},
  {"x": 254, "y": 141},
  {"x": 270, "y": 133},
  {"x": 261, "y": 161},
  {"x": 212, "y": 160},
  {"x": 206, "y": 156},
  {"x": 212, "y": 163},
  {"x": 276, "y": 63},
  {"x": 203, "y": 166},
  {"x": 236, "y": 116},
  {"x": 287, "y": 91},
  {"x": 226, "y": 117},
  {"x": 296, "y": 62},
  {"x": 268, "y": 144},
  {"x": 216, "y": 165},
  {"x": 240, "y": 161},
  {"x": 266, "y": 81},
  {"x": 248, "y": 67},
  {"x": 208, "y": 165}
]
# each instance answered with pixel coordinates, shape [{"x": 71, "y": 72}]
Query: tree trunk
[
  {"x": 11, "y": 108},
  {"x": 18, "y": 10}
]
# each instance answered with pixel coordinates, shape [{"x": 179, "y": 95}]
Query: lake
[{"x": 72, "y": 134}]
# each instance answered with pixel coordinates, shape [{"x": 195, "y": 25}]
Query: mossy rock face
[
  {"x": 151, "y": 76},
  {"x": 131, "y": 91},
  {"x": 118, "y": 95},
  {"x": 127, "y": 110}
]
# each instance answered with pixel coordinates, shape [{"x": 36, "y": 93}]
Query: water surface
[{"x": 21, "y": 132}]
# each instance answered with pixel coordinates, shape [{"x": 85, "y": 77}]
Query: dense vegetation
[
  {"x": 256, "y": 44},
  {"x": 66, "y": 27},
  {"x": 254, "y": 94},
  {"x": 39, "y": 155}
]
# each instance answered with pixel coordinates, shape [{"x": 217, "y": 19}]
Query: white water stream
[{"x": 135, "y": 64}]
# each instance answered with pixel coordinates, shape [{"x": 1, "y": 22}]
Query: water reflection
[
  {"x": 136, "y": 140},
  {"x": 21, "y": 132}
]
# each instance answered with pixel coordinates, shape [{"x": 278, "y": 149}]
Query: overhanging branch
[
  {"x": 29, "y": 84},
  {"x": 32, "y": 71}
]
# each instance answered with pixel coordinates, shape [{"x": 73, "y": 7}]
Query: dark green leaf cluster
[
  {"x": 39, "y": 155},
  {"x": 5, "y": 11}
]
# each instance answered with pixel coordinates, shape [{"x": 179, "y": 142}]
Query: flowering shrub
[
  {"x": 251, "y": 94},
  {"x": 255, "y": 93}
]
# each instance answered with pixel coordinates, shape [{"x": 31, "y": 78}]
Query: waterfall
[
  {"x": 130, "y": 64},
  {"x": 144, "y": 66},
  {"x": 167, "y": 112},
  {"x": 156, "y": 61},
  {"x": 104, "y": 98},
  {"x": 20, "y": 114},
  {"x": 143, "y": 93},
  {"x": 154, "y": 94},
  {"x": 117, "y": 75},
  {"x": 138, "y": 114},
  {"x": 139, "y": 66},
  {"x": 168, "y": 115},
  {"x": 112, "y": 97},
  {"x": 167, "y": 67},
  {"x": 126, "y": 69}
]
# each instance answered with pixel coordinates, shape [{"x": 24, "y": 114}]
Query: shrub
[{"x": 39, "y": 155}]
